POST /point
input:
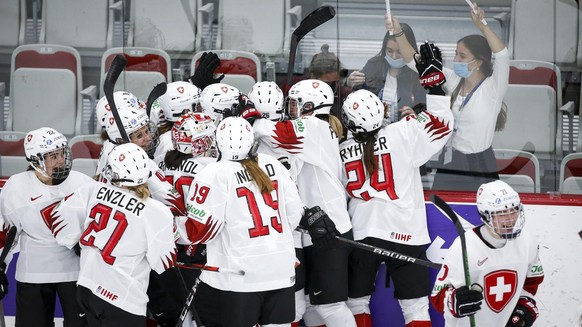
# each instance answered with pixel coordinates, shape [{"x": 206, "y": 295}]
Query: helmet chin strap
[{"x": 303, "y": 112}]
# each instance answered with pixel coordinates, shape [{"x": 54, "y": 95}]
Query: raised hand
[{"x": 430, "y": 68}]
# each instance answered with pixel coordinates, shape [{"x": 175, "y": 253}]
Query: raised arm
[
  {"x": 406, "y": 49},
  {"x": 495, "y": 43}
]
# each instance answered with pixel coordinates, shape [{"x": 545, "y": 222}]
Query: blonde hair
[
  {"x": 336, "y": 125},
  {"x": 259, "y": 176},
  {"x": 142, "y": 191}
]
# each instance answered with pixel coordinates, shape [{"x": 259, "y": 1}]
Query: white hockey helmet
[
  {"x": 123, "y": 99},
  {"x": 362, "y": 111},
  {"x": 193, "y": 133},
  {"x": 178, "y": 99},
  {"x": 43, "y": 142},
  {"x": 133, "y": 120},
  {"x": 234, "y": 138},
  {"x": 500, "y": 208},
  {"x": 268, "y": 99},
  {"x": 216, "y": 98},
  {"x": 127, "y": 165},
  {"x": 311, "y": 95}
]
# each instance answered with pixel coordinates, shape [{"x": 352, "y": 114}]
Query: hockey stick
[
  {"x": 187, "y": 305},
  {"x": 383, "y": 252},
  {"x": 115, "y": 70},
  {"x": 197, "y": 266},
  {"x": 389, "y": 254},
  {"x": 461, "y": 231},
  {"x": 11, "y": 236},
  {"x": 310, "y": 22},
  {"x": 156, "y": 92}
]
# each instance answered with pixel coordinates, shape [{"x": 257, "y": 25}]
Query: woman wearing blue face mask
[
  {"x": 388, "y": 76},
  {"x": 477, "y": 88}
]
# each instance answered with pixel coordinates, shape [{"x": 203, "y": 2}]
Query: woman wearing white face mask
[
  {"x": 387, "y": 76},
  {"x": 477, "y": 88}
]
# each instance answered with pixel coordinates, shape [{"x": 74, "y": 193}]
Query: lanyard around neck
[{"x": 470, "y": 95}]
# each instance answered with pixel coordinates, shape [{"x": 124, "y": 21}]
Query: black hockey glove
[
  {"x": 430, "y": 68},
  {"x": 204, "y": 74},
  {"x": 464, "y": 301},
  {"x": 320, "y": 227},
  {"x": 524, "y": 314},
  {"x": 246, "y": 109},
  {"x": 3, "y": 281}
]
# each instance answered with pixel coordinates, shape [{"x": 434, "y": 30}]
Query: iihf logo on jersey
[
  {"x": 102, "y": 291},
  {"x": 400, "y": 236}
]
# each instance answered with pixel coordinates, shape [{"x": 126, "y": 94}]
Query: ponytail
[
  {"x": 369, "y": 159},
  {"x": 142, "y": 191},
  {"x": 334, "y": 122},
  {"x": 257, "y": 174}
]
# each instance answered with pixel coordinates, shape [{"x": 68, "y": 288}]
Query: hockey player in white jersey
[
  {"x": 216, "y": 99},
  {"x": 268, "y": 99},
  {"x": 44, "y": 268},
  {"x": 311, "y": 138},
  {"x": 245, "y": 207},
  {"x": 179, "y": 99},
  {"x": 123, "y": 233},
  {"x": 192, "y": 138},
  {"x": 386, "y": 204},
  {"x": 140, "y": 131},
  {"x": 504, "y": 266}
]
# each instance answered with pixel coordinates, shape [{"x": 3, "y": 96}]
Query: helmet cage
[
  {"x": 506, "y": 223},
  {"x": 193, "y": 134},
  {"x": 38, "y": 162}
]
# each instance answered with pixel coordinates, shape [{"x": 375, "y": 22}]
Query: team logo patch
[
  {"x": 181, "y": 89},
  {"x": 355, "y": 106},
  {"x": 107, "y": 107},
  {"x": 224, "y": 89},
  {"x": 500, "y": 287},
  {"x": 29, "y": 137},
  {"x": 315, "y": 84},
  {"x": 111, "y": 120},
  {"x": 121, "y": 157}
]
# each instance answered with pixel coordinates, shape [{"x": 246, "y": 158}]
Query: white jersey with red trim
[
  {"x": 313, "y": 142},
  {"x": 389, "y": 204},
  {"x": 122, "y": 238},
  {"x": 504, "y": 273},
  {"x": 181, "y": 179},
  {"x": 243, "y": 228},
  {"x": 159, "y": 188},
  {"x": 28, "y": 204},
  {"x": 163, "y": 147}
]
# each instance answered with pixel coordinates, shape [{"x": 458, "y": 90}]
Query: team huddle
[{"x": 238, "y": 200}]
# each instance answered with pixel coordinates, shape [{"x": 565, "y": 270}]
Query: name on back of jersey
[
  {"x": 120, "y": 199},
  {"x": 356, "y": 150},
  {"x": 243, "y": 176}
]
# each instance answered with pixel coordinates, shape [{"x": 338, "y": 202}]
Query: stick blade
[
  {"x": 314, "y": 19},
  {"x": 156, "y": 92},
  {"x": 117, "y": 66}
]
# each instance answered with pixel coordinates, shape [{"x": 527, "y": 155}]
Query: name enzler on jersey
[{"x": 121, "y": 199}]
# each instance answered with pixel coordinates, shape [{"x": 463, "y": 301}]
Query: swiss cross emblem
[
  {"x": 107, "y": 107},
  {"x": 111, "y": 120},
  {"x": 224, "y": 89},
  {"x": 29, "y": 137},
  {"x": 181, "y": 90},
  {"x": 356, "y": 106},
  {"x": 121, "y": 157},
  {"x": 500, "y": 287},
  {"x": 315, "y": 84}
]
